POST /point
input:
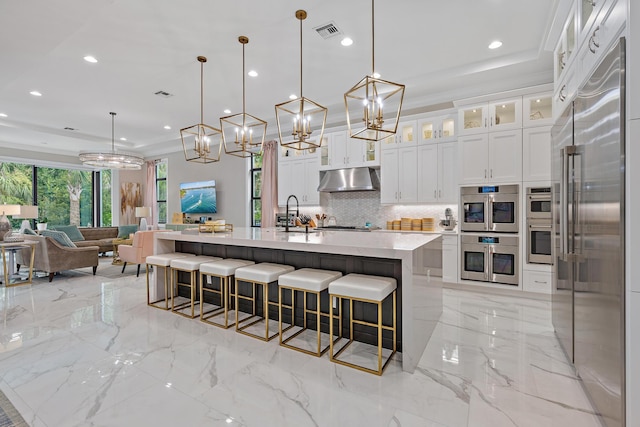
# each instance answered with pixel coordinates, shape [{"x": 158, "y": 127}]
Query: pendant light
[
  {"x": 373, "y": 105},
  {"x": 206, "y": 146},
  {"x": 242, "y": 133},
  {"x": 298, "y": 118},
  {"x": 112, "y": 159}
]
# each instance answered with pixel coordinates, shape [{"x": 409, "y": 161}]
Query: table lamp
[
  {"x": 142, "y": 213},
  {"x": 27, "y": 212},
  {"x": 5, "y": 225}
]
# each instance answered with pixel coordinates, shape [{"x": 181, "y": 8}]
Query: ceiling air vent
[
  {"x": 163, "y": 94},
  {"x": 328, "y": 30},
  {"x": 68, "y": 128}
]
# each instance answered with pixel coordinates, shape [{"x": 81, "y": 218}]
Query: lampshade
[
  {"x": 207, "y": 140},
  {"x": 300, "y": 118},
  {"x": 143, "y": 212},
  {"x": 373, "y": 105},
  {"x": 9, "y": 209},
  {"x": 242, "y": 133},
  {"x": 27, "y": 212},
  {"x": 112, "y": 159}
]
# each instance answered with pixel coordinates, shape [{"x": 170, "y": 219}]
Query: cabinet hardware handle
[
  {"x": 561, "y": 95},
  {"x": 434, "y": 194},
  {"x": 400, "y": 195},
  {"x": 593, "y": 3},
  {"x": 538, "y": 281},
  {"x": 595, "y": 43},
  {"x": 439, "y": 193},
  {"x": 491, "y": 173},
  {"x": 561, "y": 58},
  {"x": 591, "y": 49},
  {"x": 485, "y": 122},
  {"x": 485, "y": 174},
  {"x": 440, "y": 133},
  {"x": 396, "y": 196}
]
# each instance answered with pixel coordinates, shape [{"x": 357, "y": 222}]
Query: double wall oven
[
  {"x": 539, "y": 225},
  {"x": 489, "y": 246}
]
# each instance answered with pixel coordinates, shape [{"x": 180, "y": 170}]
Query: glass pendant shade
[
  {"x": 373, "y": 105},
  {"x": 242, "y": 133},
  {"x": 201, "y": 143},
  {"x": 301, "y": 121},
  {"x": 114, "y": 159}
]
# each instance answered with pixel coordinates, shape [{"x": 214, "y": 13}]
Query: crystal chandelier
[
  {"x": 112, "y": 159},
  {"x": 373, "y": 105},
  {"x": 207, "y": 140},
  {"x": 242, "y": 133},
  {"x": 295, "y": 117}
]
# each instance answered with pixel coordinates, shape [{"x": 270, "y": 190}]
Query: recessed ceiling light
[
  {"x": 35, "y": 93},
  {"x": 376, "y": 75},
  {"x": 167, "y": 127},
  {"x": 495, "y": 44},
  {"x": 123, "y": 139},
  {"x": 293, "y": 96},
  {"x": 346, "y": 41},
  {"x": 227, "y": 111},
  {"x": 3, "y": 115},
  {"x": 91, "y": 59},
  {"x": 537, "y": 100},
  {"x": 253, "y": 73}
]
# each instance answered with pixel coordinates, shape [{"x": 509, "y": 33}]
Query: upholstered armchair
[{"x": 138, "y": 251}]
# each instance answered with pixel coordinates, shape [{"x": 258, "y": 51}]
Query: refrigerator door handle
[{"x": 564, "y": 184}]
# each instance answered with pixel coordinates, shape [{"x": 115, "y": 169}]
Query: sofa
[
  {"x": 102, "y": 237},
  {"x": 52, "y": 257}
]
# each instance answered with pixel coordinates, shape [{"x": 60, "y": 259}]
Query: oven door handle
[
  {"x": 542, "y": 227},
  {"x": 539, "y": 197}
]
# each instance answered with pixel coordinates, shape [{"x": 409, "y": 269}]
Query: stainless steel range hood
[{"x": 353, "y": 179}]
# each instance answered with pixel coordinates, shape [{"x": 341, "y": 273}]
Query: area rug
[
  {"x": 9, "y": 416},
  {"x": 105, "y": 269}
]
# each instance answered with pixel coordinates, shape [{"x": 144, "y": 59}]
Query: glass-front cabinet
[
  {"x": 495, "y": 116},
  {"x": 437, "y": 129},
  {"x": 567, "y": 44},
  {"x": 339, "y": 151},
  {"x": 537, "y": 110},
  {"x": 406, "y": 135}
]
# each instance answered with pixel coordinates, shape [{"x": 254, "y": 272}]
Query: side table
[
  {"x": 116, "y": 243},
  {"x": 8, "y": 251}
]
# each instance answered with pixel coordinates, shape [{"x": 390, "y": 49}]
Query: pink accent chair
[{"x": 139, "y": 250}]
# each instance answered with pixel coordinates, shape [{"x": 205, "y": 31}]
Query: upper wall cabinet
[
  {"x": 566, "y": 46},
  {"x": 441, "y": 128},
  {"x": 405, "y": 136},
  {"x": 490, "y": 117},
  {"x": 339, "y": 151},
  {"x": 537, "y": 110}
]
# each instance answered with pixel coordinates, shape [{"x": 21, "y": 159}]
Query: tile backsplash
[{"x": 359, "y": 207}]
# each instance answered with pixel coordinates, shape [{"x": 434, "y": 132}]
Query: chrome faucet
[{"x": 286, "y": 227}]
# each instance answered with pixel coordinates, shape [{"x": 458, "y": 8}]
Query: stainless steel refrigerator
[{"x": 588, "y": 198}]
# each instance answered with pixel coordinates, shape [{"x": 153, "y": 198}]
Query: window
[
  {"x": 256, "y": 190},
  {"x": 161, "y": 191},
  {"x": 105, "y": 218},
  {"x": 16, "y": 186},
  {"x": 65, "y": 196}
]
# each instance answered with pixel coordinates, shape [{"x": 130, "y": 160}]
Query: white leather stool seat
[
  {"x": 226, "y": 267},
  {"x": 192, "y": 263},
  {"x": 309, "y": 279},
  {"x": 164, "y": 260},
  {"x": 363, "y": 286},
  {"x": 265, "y": 272}
]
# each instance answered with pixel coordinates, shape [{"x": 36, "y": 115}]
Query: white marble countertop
[{"x": 373, "y": 244}]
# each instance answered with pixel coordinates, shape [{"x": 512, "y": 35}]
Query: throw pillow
[
  {"x": 29, "y": 232},
  {"x": 71, "y": 231},
  {"x": 125, "y": 230},
  {"x": 59, "y": 236}
]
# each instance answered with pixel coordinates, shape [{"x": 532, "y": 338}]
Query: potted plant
[{"x": 42, "y": 223}]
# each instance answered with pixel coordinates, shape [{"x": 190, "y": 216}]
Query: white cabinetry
[
  {"x": 299, "y": 175},
  {"x": 398, "y": 175},
  {"x": 494, "y": 116},
  {"x": 536, "y": 281},
  {"x": 437, "y": 173},
  {"x": 537, "y": 110},
  {"x": 339, "y": 151},
  {"x": 495, "y": 157},
  {"x": 450, "y": 258},
  {"x": 440, "y": 128},
  {"x": 405, "y": 136},
  {"x": 536, "y": 156}
]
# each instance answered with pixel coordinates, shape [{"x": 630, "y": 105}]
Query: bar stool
[
  {"x": 224, "y": 270},
  {"x": 308, "y": 281},
  {"x": 259, "y": 274},
  {"x": 189, "y": 265},
  {"x": 366, "y": 289},
  {"x": 162, "y": 261}
]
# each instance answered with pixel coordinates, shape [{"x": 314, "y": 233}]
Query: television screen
[{"x": 198, "y": 197}]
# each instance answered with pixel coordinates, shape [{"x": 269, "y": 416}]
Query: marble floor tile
[{"x": 86, "y": 350}]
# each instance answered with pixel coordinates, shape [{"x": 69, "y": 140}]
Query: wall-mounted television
[{"x": 198, "y": 197}]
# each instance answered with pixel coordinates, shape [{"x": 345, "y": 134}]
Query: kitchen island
[{"x": 403, "y": 256}]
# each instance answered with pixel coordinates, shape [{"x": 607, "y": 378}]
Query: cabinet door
[
  {"x": 537, "y": 110},
  {"x": 474, "y": 160},
  {"x": 338, "y": 152},
  {"x": 389, "y": 176},
  {"x": 312, "y": 179},
  {"x": 448, "y": 128},
  {"x": 505, "y": 156},
  {"x": 408, "y": 175},
  {"x": 389, "y": 143},
  {"x": 450, "y": 262},
  {"x": 506, "y": 114},
  {"x": 284, "y": 182},
  {"x": 473, "y": 119},
  {"x": 371, "y": 153},
  {"x": 325, "y": 152},
  {"x": 407, "y": 133},
  {"x": 428, "y": 130},
  {"x": 448, "y": 172},
  {"x": 536, "y": 154},
  {"x": 354, "y": 150},
  {"x": 428, "y": 173}
]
